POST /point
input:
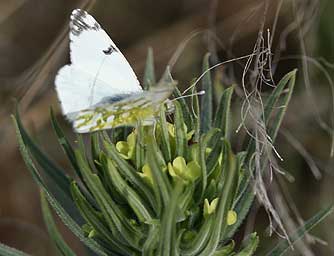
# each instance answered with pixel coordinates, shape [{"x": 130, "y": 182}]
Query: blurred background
[{"x": 34, "y": 45}]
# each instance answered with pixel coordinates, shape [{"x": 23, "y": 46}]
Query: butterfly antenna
[
  {"x": 189, "y": 95},
  {"x": 215, "y": 66}
]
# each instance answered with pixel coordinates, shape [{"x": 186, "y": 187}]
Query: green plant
[{"x": 175, "y": 188}]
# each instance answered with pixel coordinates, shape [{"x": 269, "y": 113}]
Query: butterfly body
[{"x": 99, "y": 89}]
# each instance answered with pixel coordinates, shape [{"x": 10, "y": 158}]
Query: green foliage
[
  {"x": 206, "y": 99},
  {"x": 173, "y": 189},
  {"x": 284, "y": 246},
  {"x": 279, "y": 99},
  {"x": 8, "y": 251},
  {"x": 61, "y": 245}
]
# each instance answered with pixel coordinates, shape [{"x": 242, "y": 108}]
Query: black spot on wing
[
  {"x": 110, "y": 50},
  {"x": 81, "y": 21}
]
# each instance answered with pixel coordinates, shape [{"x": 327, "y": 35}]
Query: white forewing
[{"x": 98, "y": 68}]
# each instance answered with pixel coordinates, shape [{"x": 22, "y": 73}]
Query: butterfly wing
[
  {"x": 98, "y": 69},
  {"x": 140, "y": 107}
]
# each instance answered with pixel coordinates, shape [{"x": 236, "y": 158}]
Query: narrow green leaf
[
  {"x": 288, "y": 79},
  {"x": 56, "y": 237},
  {"x": 244, "y": 197},
  {"x": 95, "y": 147},
  {"x": 67, "y": 148},
  {"x": 115, "y": 136},
  {"x": 149, "y": 74},
  {"x": 283, "y": 246},
  {"x": 56, "y": 177},
  {"x": 180, "y": 133},
  {"x": 165, "y": 147},
  {"x": 55, "y": 180},
  {"x": 113, "y": 215},
  {"x": 250, "y": 247},
  {"x": 212, "y": 159},
  {"x": 222, "y": 115},
  {"x": 242, "y": 208},
  {"x": 247, "y": 194},
  {"x": 96, "y": 159},
  {"x": 9, "y": 251},
  {"x": 95, "y": 219},
  {"x": 186, "y": 198},
  {"x": 271, "y": 104},
  {"x": 230, "y": 178},
  {"x": 159, "y": 156},
  {"x": 160, "y": 180},
  {"x": 129, "y": 173},
  {"x": 197, "y": 244},
  {"x": 149, "y": 247},
  {"x": 230, "y": 181},
  {"x": 196, "y": 115},
  {"x": 137, "y": 203},
  {"x": 65, "y": 144},
  {"x": 206, "y": 99},
  {"x": 61, "y": 212},
  {"x": 140, "y": 147},
  {"x": 283, "y": 105},
  {"x": 226, "y": 250},
  {"x": 168, "y": 224},
  {"x": 204, "y": 141}
]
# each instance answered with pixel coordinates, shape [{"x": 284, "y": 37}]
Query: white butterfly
[{"x": 99, "y": 90}]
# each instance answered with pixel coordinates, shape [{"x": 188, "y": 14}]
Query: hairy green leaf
[
  {"x": 61, "y": 212},
  {"x": 222, "y": 115},
  {"x": 56, "y": 237},
  {"x": 206, "y": 100},
  {"x": 180, "y": 133},
  {"x": 250, "y": 247}
]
